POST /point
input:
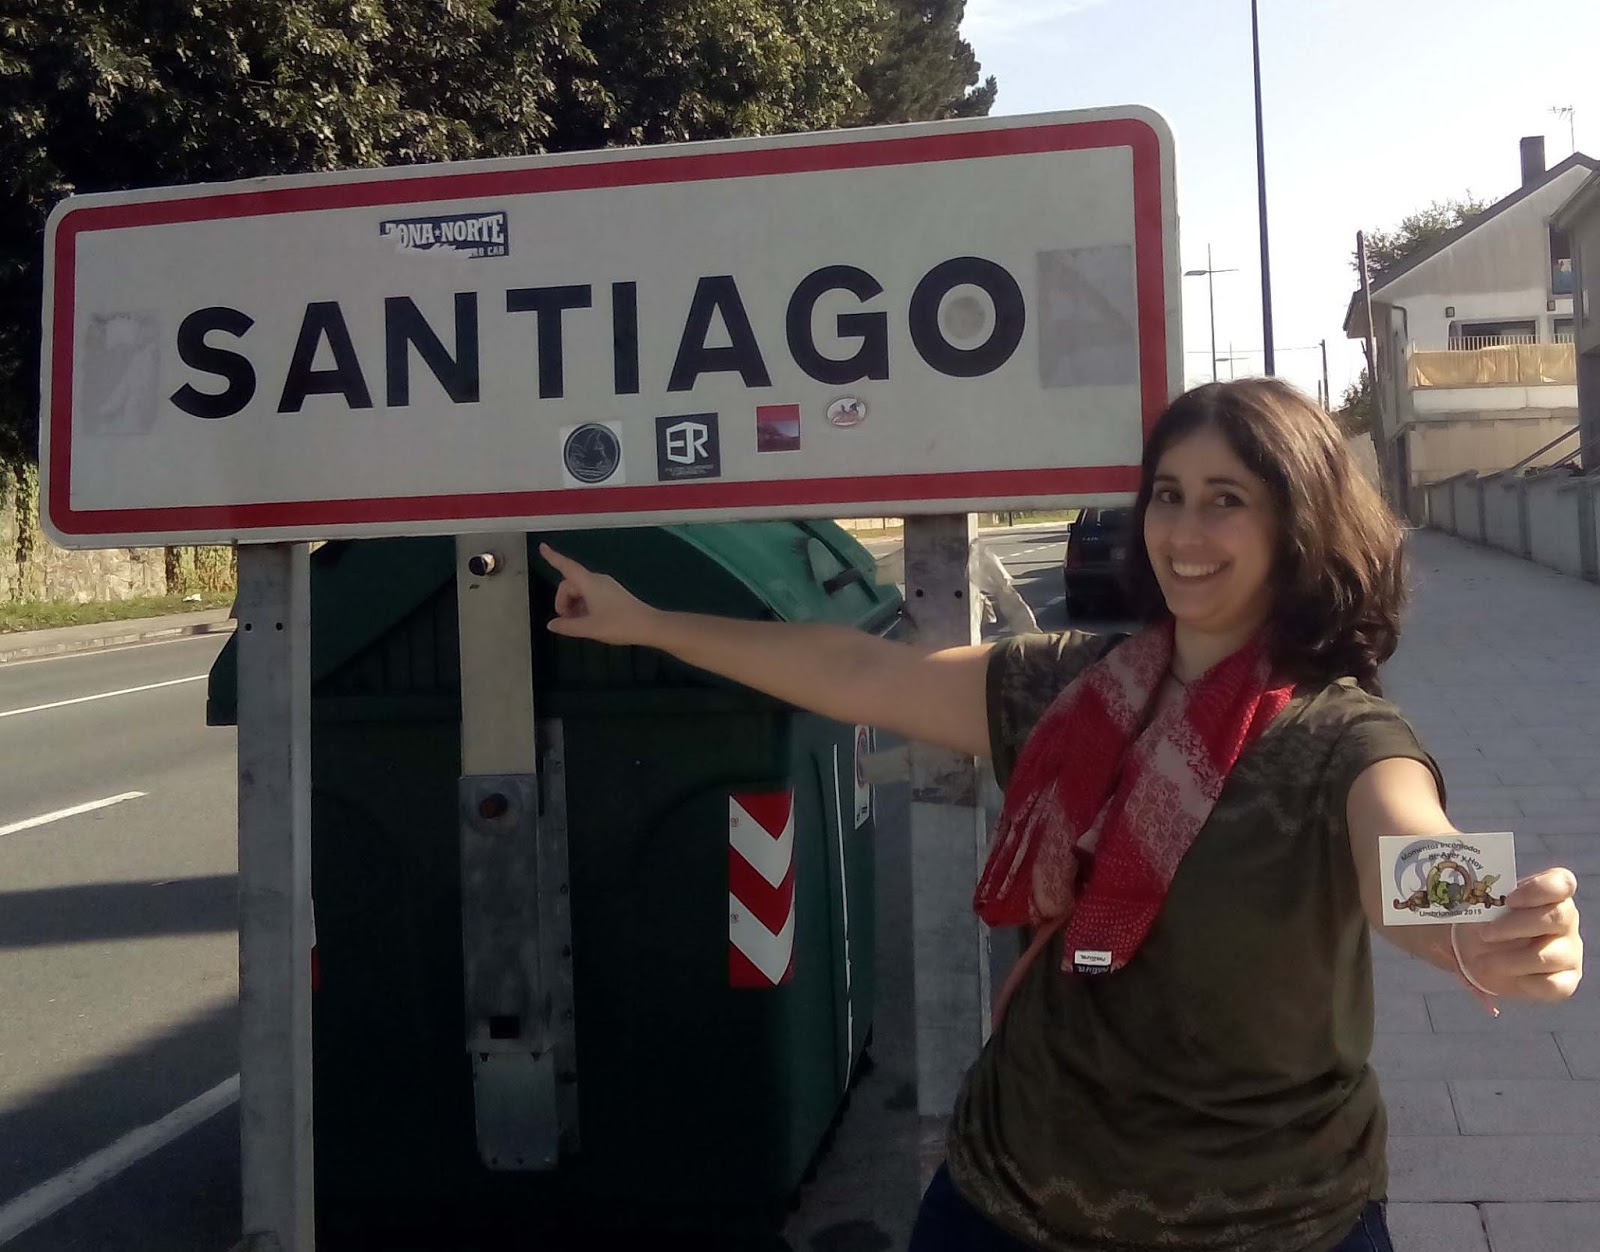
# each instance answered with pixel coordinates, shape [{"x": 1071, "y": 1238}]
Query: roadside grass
[{"x": 49, "y": 614}]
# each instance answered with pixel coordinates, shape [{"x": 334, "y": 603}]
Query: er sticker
[{"x": 1453, "y": 878}]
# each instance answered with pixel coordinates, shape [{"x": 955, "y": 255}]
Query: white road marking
[
  {"x": 44, "y": 819},
  {"x": 103, "y": 695},
  {"x": 35, "y": 1205},
  {"x": 116, "y": 647}
]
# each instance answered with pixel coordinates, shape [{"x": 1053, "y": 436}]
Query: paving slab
[
  {"x": 1480, "y": 1168},
  {"x": 1403, "y": 1058},
  {"x": 1459, "y": 1012},
  {"x": 1420, "y": 1108},
  {"x": 1400, "y": 1010},
  {"x": 1526, "y": 1106},
  {"x": 1437, "y": 1228},
  {"x": 1581, "y": 1048},
  {"x": 1550, "y": 1227}
]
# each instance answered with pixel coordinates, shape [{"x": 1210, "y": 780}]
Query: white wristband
[{"x": 1462, "y": 965}]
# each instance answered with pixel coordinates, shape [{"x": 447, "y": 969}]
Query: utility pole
[
  {"x": 1261, "y": 192},
  {"x": 1393, "y": 491},
  {"x": 1327, "y": 395}
]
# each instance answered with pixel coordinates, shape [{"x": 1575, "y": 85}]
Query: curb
[{"x": 111, "y": 637}]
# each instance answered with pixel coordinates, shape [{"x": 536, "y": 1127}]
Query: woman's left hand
[{"x": 1533, "y": 950}]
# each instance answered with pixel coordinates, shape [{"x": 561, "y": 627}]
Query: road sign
[{"x": 916, "y": 319}]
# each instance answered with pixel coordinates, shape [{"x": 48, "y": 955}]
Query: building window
[
  {"x": 1471, "y": 335},
  {"x": 1561, "y": 283},
  {"x": 1562, "y": 330}
]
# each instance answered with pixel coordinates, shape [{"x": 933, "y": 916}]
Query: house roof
[
  {"x": 1354, "y": 320},
  {"x": 1582, "y": 202}
]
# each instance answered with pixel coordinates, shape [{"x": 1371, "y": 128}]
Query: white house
[
  {"x": 1473, "y": 335},
  {"x": 1579, "y": 220}
]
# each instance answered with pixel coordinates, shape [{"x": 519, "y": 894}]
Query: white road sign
[{"x": 916, "y": 319}]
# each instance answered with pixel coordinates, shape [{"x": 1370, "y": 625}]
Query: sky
[{"x": 1373, "y": 109}]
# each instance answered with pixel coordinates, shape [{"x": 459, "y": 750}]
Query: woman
[{"x": 1191, "y": 829}]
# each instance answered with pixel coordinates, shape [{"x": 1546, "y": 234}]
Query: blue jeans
[{"x": 947, "y": 1223}]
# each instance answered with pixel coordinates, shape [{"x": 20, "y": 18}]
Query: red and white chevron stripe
[{"x": 760, "y": 889}]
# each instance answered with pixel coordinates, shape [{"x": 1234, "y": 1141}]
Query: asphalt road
[
  {"x": 118, "y": 940},
  {"x": 118, "y": 947}
]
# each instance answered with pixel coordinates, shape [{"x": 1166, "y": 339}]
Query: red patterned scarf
[{"x": 1101, "y": 779}]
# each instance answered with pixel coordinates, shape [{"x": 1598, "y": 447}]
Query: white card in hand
[{"x": 1446, "y": 878}]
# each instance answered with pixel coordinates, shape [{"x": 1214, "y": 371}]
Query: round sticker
[
  {"x": 592, "y": 452},
  {"x": 847, "y": 412}
]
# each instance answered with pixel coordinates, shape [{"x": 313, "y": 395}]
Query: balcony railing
[
  {"x": 1499, "y": 364},
  {"x": 1471, "y": 343}
]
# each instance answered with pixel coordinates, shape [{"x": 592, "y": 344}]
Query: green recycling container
[{"x": 720, "y": 1013}]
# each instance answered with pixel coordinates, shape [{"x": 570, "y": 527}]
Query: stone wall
[{"x": 46, "y": 572}]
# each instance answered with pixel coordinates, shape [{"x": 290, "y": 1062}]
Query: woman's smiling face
[{"x": 1211, "y": 530}]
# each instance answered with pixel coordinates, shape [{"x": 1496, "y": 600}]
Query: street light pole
[
  {"x": 1261, "y": 191},
  {"x": 1211, "y": 300}
]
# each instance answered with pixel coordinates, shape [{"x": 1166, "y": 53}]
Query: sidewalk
[
  {"x": 25, "y": 645},
  {"x": 1494, "y": 1122}
]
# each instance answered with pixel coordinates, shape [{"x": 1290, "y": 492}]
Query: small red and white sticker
[{"x": 760, "y": 889}]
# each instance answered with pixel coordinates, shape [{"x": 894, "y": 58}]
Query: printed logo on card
[{"x": 1456, "y": 879}]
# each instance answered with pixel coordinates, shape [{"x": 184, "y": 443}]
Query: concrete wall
[
  {"x": 1505, "y": 401},
  {"x": 1589, "y": 404},
  {"x": 1586, "y": 262},
  {"x": 1592, "y": 551},
  {"x": 1466, "y": 492},
  {"x": 1554, "y": 516},
  {"x": 1502, "y": 511},
  {"x": 1586, "y": 259},
  {"x": 1366, "y": 458},
  {"x": 1436, "y": 505},
  {"x": 1443, "y": 448},
  {"x": 1430, "y": 328}
]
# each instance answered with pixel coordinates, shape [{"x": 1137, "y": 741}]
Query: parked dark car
[{"x": 1091, "y": 571}]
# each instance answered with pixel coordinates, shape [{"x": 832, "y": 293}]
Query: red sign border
[{"x": 310, "y": 515}]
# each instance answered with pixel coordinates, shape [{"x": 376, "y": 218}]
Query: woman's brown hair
[{"x": 1338, "y": 580}]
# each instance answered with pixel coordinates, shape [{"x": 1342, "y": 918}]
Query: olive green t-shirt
[{"x": 1215, "y": 1092}]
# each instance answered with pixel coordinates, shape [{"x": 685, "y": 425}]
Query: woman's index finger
[{"x": 563, "y": 564}]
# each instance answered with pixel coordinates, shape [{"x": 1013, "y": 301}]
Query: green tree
[
  {"x": 1387, "y": 248},
  {"x": 1357, "y": 406},
  {"x": 926, "y": 69},
  {"x": 100, "y": 95}
]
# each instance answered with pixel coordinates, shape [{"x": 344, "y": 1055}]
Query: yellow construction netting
[{"x": 1524, "y": 364}]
